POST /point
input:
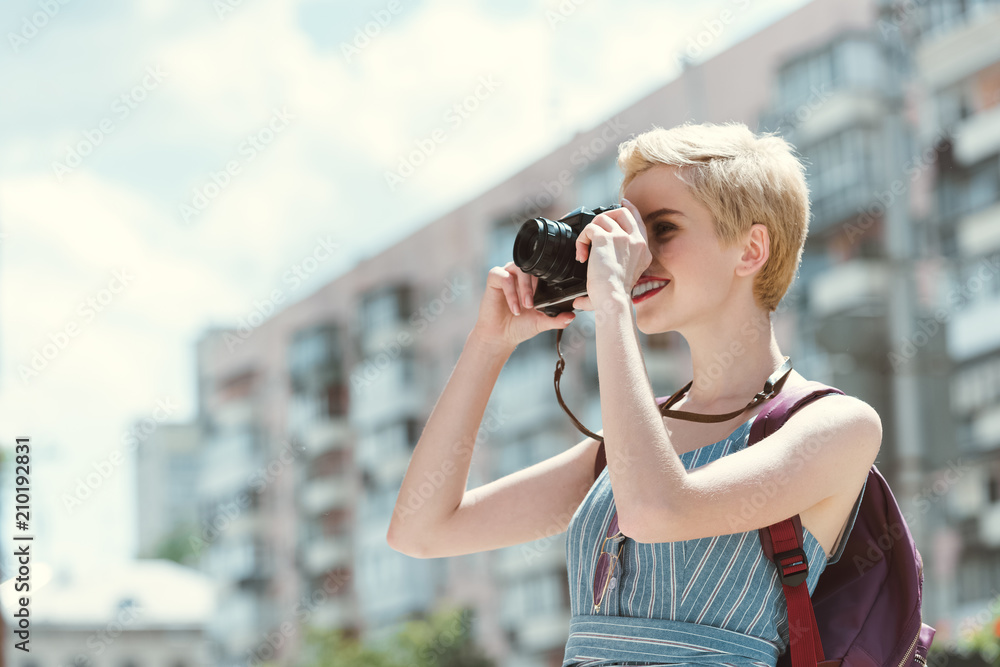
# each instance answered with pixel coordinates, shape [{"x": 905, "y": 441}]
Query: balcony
[
  {"x": 955, "y": 55},
  {"x": 989, "y": 525},
  {"x": 858, "y": 286},
  {"x": 968, "y": 496},
  {"x": 978, "y": 137},
  {"x": 382, "y": 393},
  {"x": 326, "y": 493},
  {"x": 973, "y": 330},
  {"x": 237, "y": 620},
  {"x": 839, "y": 111},
  {"x": 979, "y": 233},
  {"x": 986, "y": 430},
  {"x": 326, "y": 554},
  {"x": 233, "y": 463},
  {"x": 389, "y": 471},
  {"x": 324, "y": 435}
]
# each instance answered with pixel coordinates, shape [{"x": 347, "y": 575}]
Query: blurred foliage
[
  {"x": 983, "y": 641},
  {"x": 443, "y": 640},
  {"x": 178, "y": 546}
]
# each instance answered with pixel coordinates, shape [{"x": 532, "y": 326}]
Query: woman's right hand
[{"x": 510, "y": 291}]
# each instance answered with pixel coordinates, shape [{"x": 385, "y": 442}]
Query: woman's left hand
[{"x": 619, "y": 253}]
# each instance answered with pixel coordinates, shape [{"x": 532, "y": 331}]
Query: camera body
[{"x": 547, "y": 249}]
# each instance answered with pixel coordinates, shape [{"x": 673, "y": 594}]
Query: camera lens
[{"x": 545, "y": 248}]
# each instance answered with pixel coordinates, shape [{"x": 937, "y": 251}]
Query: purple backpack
[{"x": 866, "y": 606}]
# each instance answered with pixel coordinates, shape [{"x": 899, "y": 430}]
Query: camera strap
[{"x": 771, "y": 387}]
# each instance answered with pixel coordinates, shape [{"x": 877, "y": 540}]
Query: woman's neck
[{"x": 731, "y": 360}]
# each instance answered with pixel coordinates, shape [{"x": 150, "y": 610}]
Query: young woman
[{"x": 664, "y": 562}]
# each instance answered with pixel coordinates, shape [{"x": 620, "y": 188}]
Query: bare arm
[
  {"x": 432, "y": 506},
  {"x": 444, "y": 450},
  {"x": 527, "y": 505}
]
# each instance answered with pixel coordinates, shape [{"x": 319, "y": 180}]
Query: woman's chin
[{"x": 647, "y": 326}]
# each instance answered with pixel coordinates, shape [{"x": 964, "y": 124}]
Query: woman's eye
[{"x": 663, "y": 228}]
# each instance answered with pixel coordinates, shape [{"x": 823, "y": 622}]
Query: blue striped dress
[{"x": 709, "y": 601}]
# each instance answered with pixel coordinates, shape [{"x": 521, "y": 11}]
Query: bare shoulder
[
  {"x": 843, "y": 410},
  {"x": 851, "y": 423}
]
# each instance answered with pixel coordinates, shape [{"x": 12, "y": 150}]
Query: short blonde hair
[{"x": 742, "y": 179}]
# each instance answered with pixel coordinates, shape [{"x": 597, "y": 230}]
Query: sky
[{"x": 163, "y": 165}]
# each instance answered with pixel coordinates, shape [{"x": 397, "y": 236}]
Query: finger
[
  {"x": 561, "y": 320},
  {"x": 622, "y": 217},
  {"x": 636, "y": 217},
  {"x": 524, "y": 288},
  {"x": 582, "y": 303},
  {"x": 582, "y": 241},
  {"x": 509, "y": 286}
]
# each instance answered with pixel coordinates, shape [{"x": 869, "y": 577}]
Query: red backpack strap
[{"x": 782, "y": 541}]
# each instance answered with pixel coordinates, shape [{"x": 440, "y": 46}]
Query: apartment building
[
  {"x": 167, "y": 464},
  {"x": 345, "y": 379},
  {"x": 957, "y": 63}
]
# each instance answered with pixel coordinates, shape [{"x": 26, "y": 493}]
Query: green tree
[{"x": 442, "y": 640}]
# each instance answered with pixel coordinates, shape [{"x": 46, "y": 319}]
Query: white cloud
[{"x": 323, "y": 174}]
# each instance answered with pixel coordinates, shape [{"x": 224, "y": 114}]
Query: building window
[
  {"x": 839, "y": 176},
  {"x": 501, "y": 240},
  {"x": 941, "y": 16},
  {"x": 965, "y": 191},
  {"x": 976, "y": 387},
  {"x": 599, "y": 185},
  {"x": 385, "y": 308},
  {"x": 853, "y": 61},
  {"x": 315, "y": 358}
]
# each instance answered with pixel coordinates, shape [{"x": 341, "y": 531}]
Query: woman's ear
[{"x": 756, "y": 250}]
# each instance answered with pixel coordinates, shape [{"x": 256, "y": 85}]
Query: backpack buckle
[{"x": 797, "y": 577}]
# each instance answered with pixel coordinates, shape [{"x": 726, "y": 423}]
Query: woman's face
[{"x": 681, "y": 237}]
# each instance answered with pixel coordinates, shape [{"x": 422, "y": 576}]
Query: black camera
[{"x": 547, "y": 249}]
